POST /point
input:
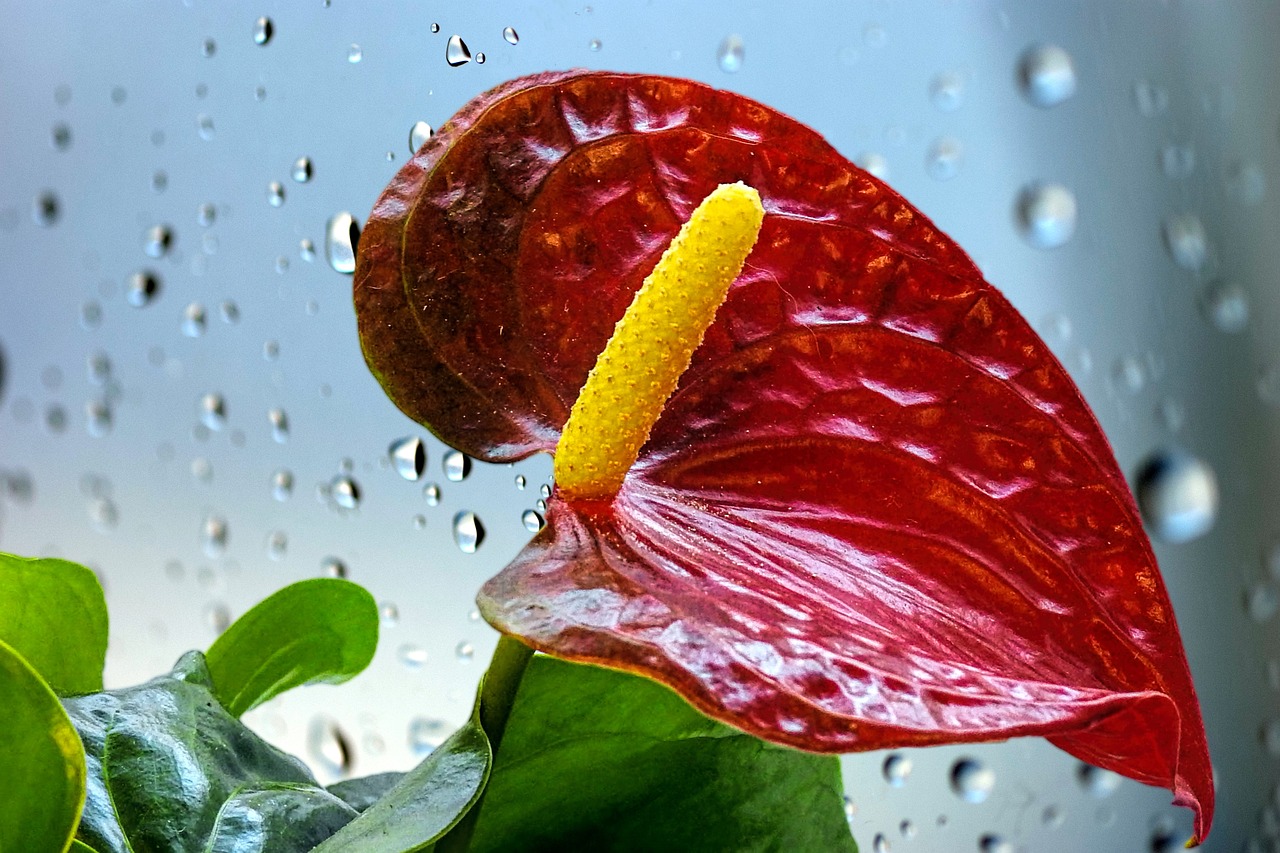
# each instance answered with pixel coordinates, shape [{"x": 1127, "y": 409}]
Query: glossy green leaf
[
  {"x": 78, "y": 846},
  {"x": 365, "y": 791},
  {"x": 426, "y": 802},
  {"x": 594, "y": 759},
  {"x": 318, "y": 630},
  {"x": 42, "y": 778},
  {"x": 167, "y": 763},
  {"x": 54, "y": 614}
]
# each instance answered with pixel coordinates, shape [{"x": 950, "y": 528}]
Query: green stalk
[{"x": 497, "y": 695}]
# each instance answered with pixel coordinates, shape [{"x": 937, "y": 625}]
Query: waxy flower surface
[{"x": 875, "y": 512}]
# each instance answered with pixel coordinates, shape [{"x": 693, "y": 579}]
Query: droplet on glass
[
  {"x": 1129, "y": 374},
  {"x": 995, "y": 844},
  {"x": 217, "y": 616},
  {"x": 103, "y": 515},
  {"x": 456, "y": 53},
  {"x": 896, "y": 769},
  {"x": 1047, "y": 75},
  {"x": 277, "y": 545},
  {"x": 332, "y": 567},
  {"x": 731, "y": 54},
  {"x": 204, "y": 127},
  {"x": 480, "y": 59},
  {"x": 907, "y": 830},
  {"x": 97, "y": 368},
  {"x": 302, "y": 170},
  {"x": 465, "y": 652},
  {"x": 1178, "y": 496},
  {"x": 426, "y": 733},
  {"x": 972, "y": 781},
  {"x": 263, "y": 29},
  {"x": 419, "y": 522},
  {"x": 408, "y": 457},
  {"x": 61, "y": 136},
  {"x": 202, "y": 469},
  {"x": 213, "y": 536},
  {"x": 341, "y": 235},
  {"x": 279, "y": 421},
  {"x": 328, "y": 747},
  {"x": 418, "y": 136},
  {"x": 510, "y": 35},
  {"x": 435, "y": 28},
  {"x": 468, "y": 532},
  {"x": 1096, "y": 781},
  {"x": 944, "y": 157},
  {"x": 208, "y": 48},
  {"x": 520, "y": 482},
  {"x": 157, "y": 240},
  {"x": 1262, "y": 601},
  {"x": 880, "y": 844},
  {"x": 594, "y": 45},
  {"x": 1151, "y": 99},
  {"x": 874, "y": 163},
  {"x": 1246, "y": 182},
  {"x": 345, "y": 492},
  {"x": 98, "y": 418},
  {"x": 1177, "y": 160},
  {"x": 532, "y": 521},
  {"x": 412, "y": 656},
  {"x": 431, "y": 492},
  {"x": 354, "y": 54},
  {"x": 1271, "y": 737},
  {"x": 946, "y": 91},
  {"x": 142, "y": 288},
  {"x": 45, "y": 209},
  {"x": 213, "y": 411},
  {"x": 1046, "y": 215},
  {"x": 388, "y": 614},
  {"x": 457, "y": 466},
  {"x": 229, "y": 311},
  {"x": 282, "y": 484},
  {"x": 206, "y": 214},
  {"x": 275, "y": 193},
  {"x": 1226, "y": 305},
  {"x": 1186, "y": 240}
]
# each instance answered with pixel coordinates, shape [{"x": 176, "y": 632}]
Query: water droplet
[
  {"x": 1096, "y": 781},
  {"x": 345, "y": 492},
  {"x": 1047, "y": 75},
  {"x": 354, "y": 54},
  {"x": 457, "y": 466},
  {"x": 206, "y": 214},
  {"x": 730, "y": 54},
  {"x": 1177, "y": 160},
  {"x": 341, "y": 236},
  {"x": 1262, "y": 601},
  {"x": 532, "y": 521},
  {"x": 142, "y": 288},
  {"x": 118, "y": 95},
  {"x": 1178, "y": 496},
  {"x": 412, "y": 656},
  {"x": 425, "y": 734},
  {"x": 275, "y": 193},
  {"x": 263, "y": 29},
  {"x": 971, "y": 780},
  {"x": 159, "y": 181},
  {"x": 389, "y": 614},
  {"x": 874, "y": 163},
  {"x": 1246, "y": 182},
  {"x": 1271, "y": 737},
  {"x": 520, "y": 482},
  {"x": 217, "y": 617},
  {"x": 45, "y": 209},
  {"x": 97, "y": 418},
  {"x": 204, "y": 127},
  {"x": 90, "y": 315},
  {"x": 944, "y": 158},
  {"x": 465, "y": 652},
  {"x": 545, "y": 490},
  {"x": 332, "y": 567},
  {"x": 208, "y": 48},
  {"x": 946, "y": 91},
  {"x": 1151, "y": 99},
  {"x": 468, "y": 532},
  {"x": 1226, "y": 305},
  {"x": 328, "y": 746},
  {"x": 1046, "y": 215},
  {"x": 61, "y": 136},
  {"x": 510, "y": 35},
  {"x": 408, "y": 457},
  {"x": 480, "y": 58},
  {"x": 880, "y": 844},
  {"x": 282, "y": 484},
  {"x": 1129, "y": 374},
  {"x": 1186, "y": 240},
  {"x": 418, "y": 136},
  {"x": 103, "y": 515},
  {"x": 55, "y": 418},
  {"x": 97, "y": 368},
  {"x": 229, "y": 312},
  {"x": 431, "y": 492},
  {"x": 157, "y": 240},
  {"x": 456, "y": 52},
  {"x": 202, "y": 469},
  {"x": 277, "y": 545},
  {"x": 995, "y": 844},
  {"x": 896, "y": 769},
  {"x": 594, "y": 45},
  {"x": 419, "y": 522},
  {"x": 302, "y": 170},
  {"x": 279, "y": 421},
  {"x": 213, "y": 536},
  {"x": 850, "y": 808},
  {"x": 213, "y": 411}
]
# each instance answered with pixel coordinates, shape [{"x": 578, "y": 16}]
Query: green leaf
[
  {"x": 365, "y": 791},
  {"x": 594, "y": 759},
  {"x": 43, "y": 762},
  {"x": 426, "y": 802},
  {"x": 78, "y": 846},
  {"x": 168, "y": 764},
  {"x": 54, "y": 614},
  {"x": 318, "y": 630}
]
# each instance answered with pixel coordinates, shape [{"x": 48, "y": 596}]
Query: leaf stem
[{"x": 497, "y": 696}]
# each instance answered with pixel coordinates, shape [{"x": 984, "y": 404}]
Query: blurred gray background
[{"x": 184, "y": 407}]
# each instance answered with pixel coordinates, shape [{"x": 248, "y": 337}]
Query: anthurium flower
[{"x": 875, "y": 512}]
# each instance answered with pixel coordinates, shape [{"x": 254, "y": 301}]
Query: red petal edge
[{"x": 876, "y": 513}]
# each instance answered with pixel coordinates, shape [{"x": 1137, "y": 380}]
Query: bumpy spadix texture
[
  {"x": 875, "y": 512},
  {"x": 653, "y": 342}
]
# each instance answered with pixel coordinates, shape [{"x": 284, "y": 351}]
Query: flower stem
[{"x": 497, "y": 695}]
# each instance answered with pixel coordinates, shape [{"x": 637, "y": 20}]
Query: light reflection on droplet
[
  {"x": 431, "y": 493},
  {"x": 1047, "y": 75},
  {"x": 341, "y": 235},
  {"x": 193, "y": 320},
  {"x": 354, "y": 54},
  {"x": 995, "y": 844},
  {"x": 1262, "y": 601},
  {"x": 279, "y": 421},
  {"x": 142, "y": 288},
  {"x": 302, "y": 170},
  {"x": 263, "y": 29},
  {"x": 213, "y": 411},
  {"x": 1046, "y": 215},
  {"x": 457, "y": 466},
  {"x": 277, "y": 545},
  {"x": 332, "y": 567},
  {"x": 946, "y": 91},
  {"x": 282, "y": 484},
  {"x": 213, "y": 535},
  {"x": 468, "y": 532},
  {"x": 944, "y": 158},
  {"x": 465, "y": 652},
  {"x": 1096, "y": 781},
  {"x": 1178, "y": 496},
  {"x": 533, "y": 522},
  {"x": 412, "y": 656},
  {"x": 972, "y": 781},
  {"x": 157, "y": 240},
  {"x": 388, "y": 614},
  {"x": 408, "y": 457},
  {"x": 418, "y": 135},
  {"x": 344, "y": 492},
  {"x": 896, "y": 769},
  {"x": 731, "y": 54}
]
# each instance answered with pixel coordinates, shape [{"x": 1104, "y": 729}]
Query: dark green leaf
[
  {"x": 278, "y": 819},
  {"x": 53, "y": 613},
  {"x": 426, "y": 803},
  {"x": 594, "y": 759},
  {"x": 364, "y": 792},
  {"x": 318, "y": 630},
  {"x": 42, "y": 780}
]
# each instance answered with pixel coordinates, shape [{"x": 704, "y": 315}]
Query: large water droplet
[
  {"x": 418, "y": 136},
  {"x": 142, "y": 288},
  {"x": 896, "y": 769},
  {"x": 971, "y": 780},
  {"x": 341, "y": 236},
  {"x": 457, "y": 466},
  {"x": 510, "y": 35},
  {"x": 345, "y": 492},
  {"x": 214, "y": 535},
  {"x": 468, "y": 532},
  {"x": 1186, "y": 240},
  {"x": 213, "y": 411},
  {"x": 426, "y": 733},
  {"x": 1226, "y": 305},
  {"x": 409, "y": 457},
  {"x": 328, "y": 747},
  {"x": 1096, "y": 781},
  {"x": 263, "y": 29},
  {"x": 157, "y": 240},
  {"x": 302, "y": 170},
  {"x": 731, "y": 54},
  {"x": 282, "y": 484},
  {"x": 1046, "y": 215},
  {"x": 1178, "y": 496},
  {"x": 456, "y": 53},
  {"x": 1047, "y": 75}
]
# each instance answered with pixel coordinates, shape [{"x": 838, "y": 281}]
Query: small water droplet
[
  {"x": 874, "y": 163},
  {"x": 456, "y": 53},
  {"x": 880, "y": 844},
  {"x": 465, "y": 652},
  {"x": 944, "y": 158},
  {"x": 217, "y": 617},
  {"x": 896, "y": 769},
  {"x": 157, "y": 240},
  {"x": 275, "y": 193},
  {"x": 213, "y": 411},
  {"x": 332, "y": 567},
  {"x": 1226, "y": 305},
  {"x": 204, "y": 127},
  {"x": 972, "y": 781},
  {"x": 594, "y": 45},
  {"x": 418, "y": 136},
  {"x": 457, "y": 466},
  {"x": 142, "y": 288},
  {"x": 279, "y": 421},
  {"x": 425, "y": 734},
  {"x": 850, "y": 808},
  {"x": 1178, "y": 496},
  {"x": 419, "y": 522},
  {"x": 354, "y": 54},
  {"x": 431, "y": 492},
  {"x": 731, "y": 54},
  {"x": 1046, "y": 215},
  {"x": 103, "y": 515},
  {"x": 341, "y": 236},
  {"x": 229, "y": 312},
  {"x": 282, "y": 484},
  {"x": 389, "y": 614},
  {"x": 328, "y": 747},
  {"x": 302, "y": 170},
  {"x": 271, "y": 352},
  {"x": 263, "y": 29},
  {"x": 344, "y": 492},
  {"x": 520, "y": 481},
  {"x": 1047, "y": 75},
  {"x": 1129, "y": 374},
  {"x": 159, "y": 181},
  {"x": 1096, "y": 781},
  {"x": 206, "y": 214},
  {"x": 1177, "y": 160},
  {"x": 545, "y": 490},
  {"x": 208, "y": 48},
  {"x": 1246, "y": 182},
  {"x": 480, "y": 59},
  {"x": 946, "y": 91},
  {"x": 510, "y": 35},
  {"x": 55, "y": 418},
  {"x": 98, "y": 418},
  {"x": 45, "y": 209},
  {"x": 435, "y": 28},
  {"x": 468, "y": 532},
  {"x": 277, "y": 545},
  {"x": 995, "y": 844},
  {"x": 213, "y": 536},
  {"x": 408, "y": 457},
  {"x": 1262, "y": 601},
  {"x": 1151, "y": 99},
  {"x": 202, "y": 469},
  {"x": 412, "y": 656},
  {"x": 532, "y": 521},
  {"x": 90, "y": 315},
  {"x": 61, "y": 136},
  {"x": 97, "y": 368},
  {"x": 1186, "y": 240}
]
